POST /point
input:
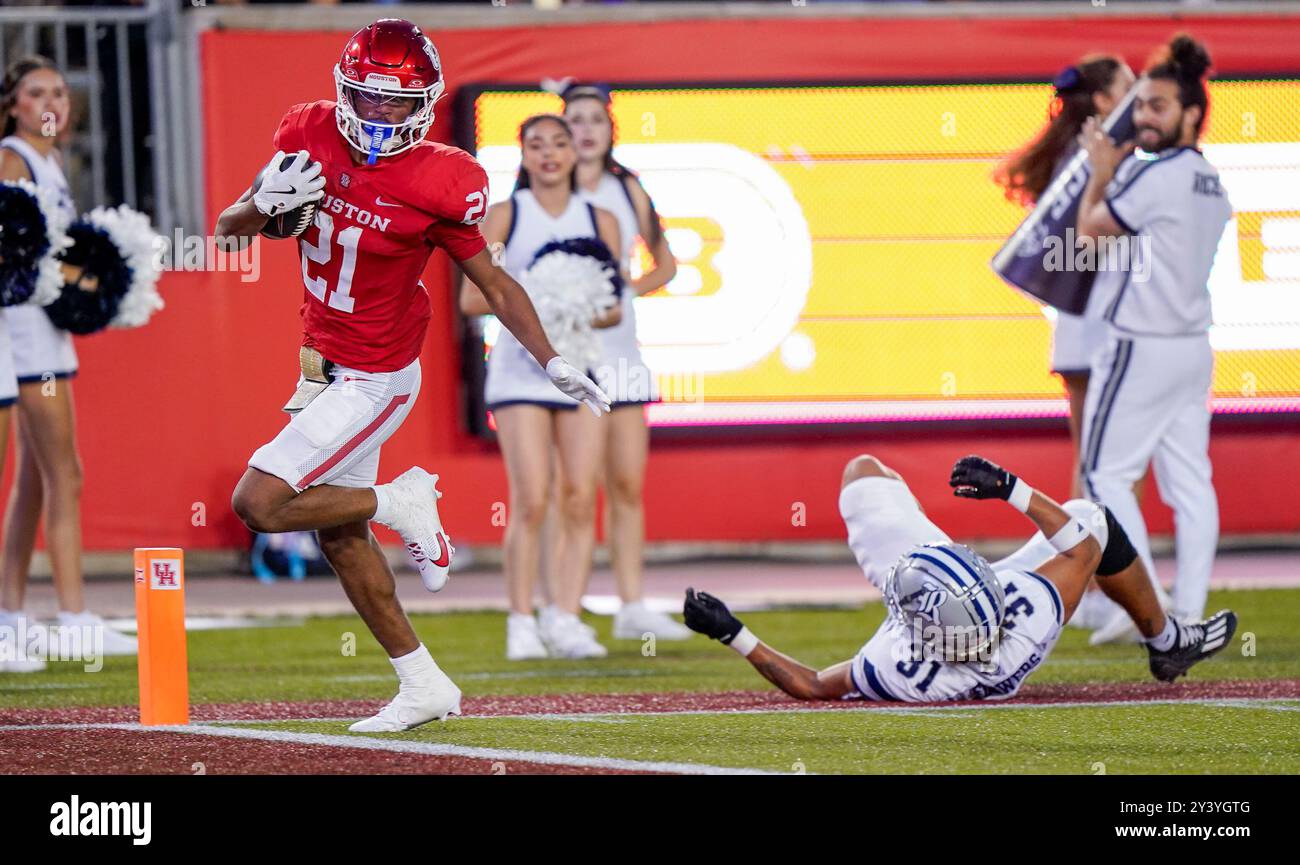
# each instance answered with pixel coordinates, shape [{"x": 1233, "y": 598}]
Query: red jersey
[{"x": 364, "y": 305}]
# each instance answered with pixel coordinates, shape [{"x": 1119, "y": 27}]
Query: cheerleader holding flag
[{"x": 1023, "y": 261}]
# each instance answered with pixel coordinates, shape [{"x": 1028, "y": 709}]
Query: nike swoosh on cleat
[{"x": 444, "y": 558}]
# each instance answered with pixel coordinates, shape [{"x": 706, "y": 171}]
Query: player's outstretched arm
[
  {"x": 974, "y": 477},
  {"x": 707, "y": 615},
  {"x": 510, "y": 303},
  {"x": 1077, "y": 551}
]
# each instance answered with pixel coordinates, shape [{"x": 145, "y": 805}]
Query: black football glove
[
  {"x": 976, "y": 478},
  {"x": 707, "y": 615}
]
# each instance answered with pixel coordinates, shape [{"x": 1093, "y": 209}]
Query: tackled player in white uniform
[{"x": 960, "y": 628}]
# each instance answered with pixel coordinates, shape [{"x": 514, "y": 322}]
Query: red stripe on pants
[{"x": 353, "y": 442}]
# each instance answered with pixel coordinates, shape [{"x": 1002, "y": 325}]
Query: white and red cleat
[
  {"x": 415, "y": 517},
  {"x": 431, "y": 697}
]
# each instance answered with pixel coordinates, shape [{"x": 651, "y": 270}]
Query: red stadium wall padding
[{"x": 169, "y": 414}]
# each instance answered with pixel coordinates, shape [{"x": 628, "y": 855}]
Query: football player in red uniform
[{"x": 385, "y": 199}]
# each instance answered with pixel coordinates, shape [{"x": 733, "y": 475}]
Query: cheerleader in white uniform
[
  {"x": 537, "y": 426},
  {"x": 623, "y": 375},
  {"x": 34, "y": 105}
]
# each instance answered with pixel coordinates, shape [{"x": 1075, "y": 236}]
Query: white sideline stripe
[
  {"x": 1261, "y": 704},
  {"x": 434, "y": 749}
]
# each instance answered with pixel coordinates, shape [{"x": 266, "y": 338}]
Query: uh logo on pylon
[{"x": 166, "y": 574}]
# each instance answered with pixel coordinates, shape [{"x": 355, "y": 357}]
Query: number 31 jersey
[
  {"x": 886, "y": 668},
  {"x": 364, "y": 305}
]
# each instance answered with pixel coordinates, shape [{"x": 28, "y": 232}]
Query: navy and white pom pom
[
  {"x": 117, "y": 246},
  {"x": 33, "y": 234},
  {"x": 571, "y": 282},
  {"x": 592, "y": 247}
]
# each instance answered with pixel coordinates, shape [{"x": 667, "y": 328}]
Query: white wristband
[
  {"x": 1021, "y": 493},
  {"x": 1070, "y": 536},
  {"x": 744, "y": 642}
]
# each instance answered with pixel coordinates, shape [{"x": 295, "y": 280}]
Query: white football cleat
[
  {"x": 523, "y": 639},
  {"x": 635, "y": 620},
  {"x": 566, "y": 636},
  {"x": 415, "y": 517},
  {"x": 115, "y": 642},
  {"x": 431, "y": 699}
]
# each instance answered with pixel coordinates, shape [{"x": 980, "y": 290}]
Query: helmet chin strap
[{"x": 377, "y": 135}]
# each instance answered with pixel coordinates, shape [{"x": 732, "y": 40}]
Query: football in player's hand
[{"x": 293, "y": 222}]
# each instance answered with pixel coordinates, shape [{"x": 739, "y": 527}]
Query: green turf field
[{"x": 313, "y": 660}]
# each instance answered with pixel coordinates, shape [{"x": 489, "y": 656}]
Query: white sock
[
  {"x": 414, "y": 665},
  {"x": 522, "y": 617},
  {"x": 1164, "y": 641},
  {"x": 383, "y": 505}
]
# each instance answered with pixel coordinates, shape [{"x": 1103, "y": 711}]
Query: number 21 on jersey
[{"x": 340, "y": 297}]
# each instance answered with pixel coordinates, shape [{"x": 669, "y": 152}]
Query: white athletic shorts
[
  {"x": 40, "y": 349},
  {"x": 336, "y": 438},
  {"x": 1075, "y": 339},
  {"x": 884, "y": 522},
  {"x": 8, "y": 381}
]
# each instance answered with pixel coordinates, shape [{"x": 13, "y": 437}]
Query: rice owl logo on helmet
[
  {"x": 382, "y": 64},
  {"x": 949, "y": 598}
]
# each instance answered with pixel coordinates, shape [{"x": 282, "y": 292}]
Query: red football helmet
[{"x": 388, "y": 61}]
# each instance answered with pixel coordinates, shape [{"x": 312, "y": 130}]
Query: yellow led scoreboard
[{"x": 833, "y": 247}]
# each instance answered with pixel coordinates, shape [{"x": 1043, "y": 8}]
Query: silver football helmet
[{"x": 949, "y": 598}]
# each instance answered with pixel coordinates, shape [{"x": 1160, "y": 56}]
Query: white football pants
[{"x": 1148, "y": 402}]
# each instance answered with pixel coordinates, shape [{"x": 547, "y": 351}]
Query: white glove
[
  {"x": 569, "y": 381},
  {"x": 284, "y": 189}
]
